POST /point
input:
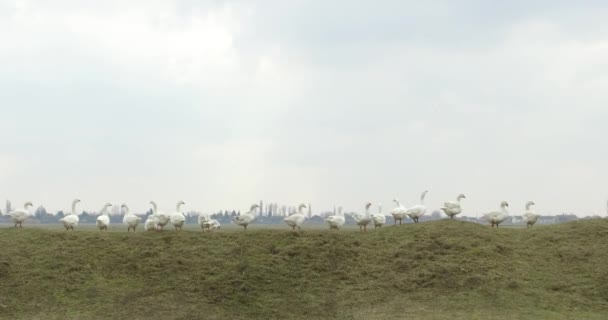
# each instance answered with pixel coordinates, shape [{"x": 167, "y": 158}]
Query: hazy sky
[{"x": 224, "y": 103}]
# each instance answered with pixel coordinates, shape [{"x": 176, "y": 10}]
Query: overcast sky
[{"x": 224, "y": 103}]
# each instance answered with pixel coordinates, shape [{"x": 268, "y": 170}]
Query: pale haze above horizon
[{"x": 226, "y": 103}]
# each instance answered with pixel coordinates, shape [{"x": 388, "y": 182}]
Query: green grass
[{"x": 436, "y": 270}]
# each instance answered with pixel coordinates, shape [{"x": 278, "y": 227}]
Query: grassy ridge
[{"x": 436, "y": 270}]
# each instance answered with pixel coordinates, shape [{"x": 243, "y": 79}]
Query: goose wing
[{"x": 451, "y": 205}]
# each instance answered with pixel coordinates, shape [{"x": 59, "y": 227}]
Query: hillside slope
[{"x": 436, "y": 270}]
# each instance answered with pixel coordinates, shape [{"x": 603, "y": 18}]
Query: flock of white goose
[{"x": 157, "y": 220}]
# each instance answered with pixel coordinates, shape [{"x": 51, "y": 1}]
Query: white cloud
[{"x": 225, "y": 103}]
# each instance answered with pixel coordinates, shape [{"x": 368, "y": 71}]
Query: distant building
[
  {"x": 565, "y": 218},
  {"x": 517, "y": 219},
  {"x": 546, "y": 220}
]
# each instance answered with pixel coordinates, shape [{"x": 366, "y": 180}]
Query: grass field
[{"x": 435, "y": 270}]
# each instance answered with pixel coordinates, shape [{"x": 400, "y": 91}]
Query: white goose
[
  {"x": 178, "y": 218},
  {"x": 452, "y": 208},
  {"x": 336, "y": 221},
  {"x": 71, "y": 220},
  {"x": 418, "y": 210},
  {"x": 130, "y": 219},
  {"x": 497, "y": 217},
  {"x": 363, "y": 220},
  {"x": 203, "y": 219},
  {"x": 163, "y": 218},
  {"x": 103, "y": 221},
  {"x": 208, "y": 224},
  {"x": 214, "y": 224},
  {"x": 530, "y": 216},
  {"x": 379, "y": 219},
  {"x": 20, "y": 215},
  {"x": 151, "y": 223},
  {"x": 246, "y": 218},
  {"x": 297, "y": 219},
  {"x": 399, "y": 212}
]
